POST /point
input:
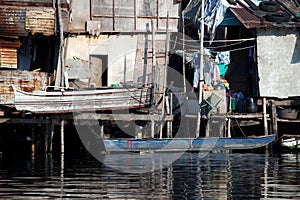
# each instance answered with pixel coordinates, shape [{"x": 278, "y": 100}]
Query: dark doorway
[{"x": 98, "y": 66}]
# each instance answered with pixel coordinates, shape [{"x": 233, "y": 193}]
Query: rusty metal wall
[
  {"x": 25, "y": 80},
  {"x": 40, "y": 20},
  {"x": 20, "y": 18},
  {"x": 33, "y": 3},
  {"x": 12, "y": 21},
  {"x": 8, "y": 53}
]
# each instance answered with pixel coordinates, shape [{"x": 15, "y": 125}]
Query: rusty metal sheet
[
  {"x": 8, "y": 53},
  {"x": 25, "y": 80},
  {"x": 8, "y": 58},
  {"x": 12, "y": 21},
  {"x": 40, "y": 20},
  {"x": 33, "y": 3}
]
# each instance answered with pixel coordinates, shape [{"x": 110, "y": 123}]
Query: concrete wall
[
  {"x": 129, "y": 57},
  {"x": 278, "y": 52}
]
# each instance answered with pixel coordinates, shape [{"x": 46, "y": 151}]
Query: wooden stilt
[
  {"x": 171, "y": 113},
  {"x": 62, "y": 136},
  {"x": 152, "y": 128},
  {"x": 101, "y": 129},
  {"x": 168, "y": 112},
  {"x": 265, "y": 116},
  {"x": 274, "y": 118},
  {"x": 47, "y": 132},
  {"x": 228, "y": 128},
  {"x": 51, "y": 137},
  {"x": 229, "y": 119},
  {"x": 32, "y": 141}
]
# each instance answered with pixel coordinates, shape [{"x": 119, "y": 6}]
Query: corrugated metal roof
[{"x": 256, "y": 18}]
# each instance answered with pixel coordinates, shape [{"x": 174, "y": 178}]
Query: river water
[{"x": 239, "y": 175}]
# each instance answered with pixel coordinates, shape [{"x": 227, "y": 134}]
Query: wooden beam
[{"x": 123, "y": 117}]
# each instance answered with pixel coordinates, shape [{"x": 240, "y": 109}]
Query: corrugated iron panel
[
  {"x": 8, "y": 58},
  {"x": 8, "y": 53},
  {"x": 33, "y": 3},
  {"x": 25, "y": 80},
  {"x": 12, "y": 21},
  {"x": 15, "y": 44},
  {"x": 248, "y": 19},
  {"x": 255, "y": 18},
  {"x": 40, "y": 20}
]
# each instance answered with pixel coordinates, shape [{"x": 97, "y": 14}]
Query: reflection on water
[{"x": 192, "y": 176}]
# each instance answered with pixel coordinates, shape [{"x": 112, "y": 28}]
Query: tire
[
  {"x": 269, "y": 6},
  {"x": 277, "y": 17}
]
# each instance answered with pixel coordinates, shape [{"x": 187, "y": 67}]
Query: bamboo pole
[
  {"x": 154, "y": 71},
  {"x": 265, "y": 116},
  {"x": 165, "y": 74},
  {"x": 183, "y": 54},
  {"x": 62, "y": 136},
  {"x": 201, "y": 69}
]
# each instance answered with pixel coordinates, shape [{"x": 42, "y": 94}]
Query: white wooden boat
[
  {"x": 291, "y": 142},
  {"x": 65, "y": 101}
]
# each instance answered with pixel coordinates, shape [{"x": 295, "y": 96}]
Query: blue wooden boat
[{"x": 182, "y": 144}]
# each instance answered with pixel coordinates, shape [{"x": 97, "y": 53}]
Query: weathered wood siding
[
  {"x": 278, "y": 62},
  {"x": 123, "y": 15},
  {"x": 25, "y": 80}
]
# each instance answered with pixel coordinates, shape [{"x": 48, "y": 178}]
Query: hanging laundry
[
  {"x": 214, "y": 13},
  {"x": 223, "y": 60},
  {"x": 215, "y": 75},
  {"x": 196, "y": 60},
  {"x": 223, "y": 57}
]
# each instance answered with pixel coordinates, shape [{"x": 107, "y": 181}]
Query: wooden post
[
  {"x": 274, "y": 118},
  {"x": 62, "y": 136},
  {"x": 168, "y": 112},
  {"x": 201, "y": 69},
  {"x": 183, "y": 54},
  {"x": 154, "y": 71},
  {"x": 152, "y": 128},
  {"x": 33, "y": 141},
  {"x": 101, "y": 129},
  {"x": 265, "y": 116},
  {"x": 171, "y": 113},
  {"x": 51, "y": 137},
  {"x": 165, "y": 75},
  {"x": 229, "y": 119}
]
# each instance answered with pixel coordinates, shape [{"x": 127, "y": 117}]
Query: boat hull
[
  {"x": 291, "y": 143},
  {"x": 199, "y": 144},
  {"x": 81, "y": 100}
]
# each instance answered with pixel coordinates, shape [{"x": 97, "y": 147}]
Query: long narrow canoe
[
  {"x": 199, "y": 144},
  {"x": 81, "y": 100}
]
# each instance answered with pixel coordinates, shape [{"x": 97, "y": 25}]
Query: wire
[
  {"x": 216, "y": 47},
  {"x": 234, "y": 40}
]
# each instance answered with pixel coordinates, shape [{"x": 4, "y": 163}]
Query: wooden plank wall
[{"x": 124, "y": 15}]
